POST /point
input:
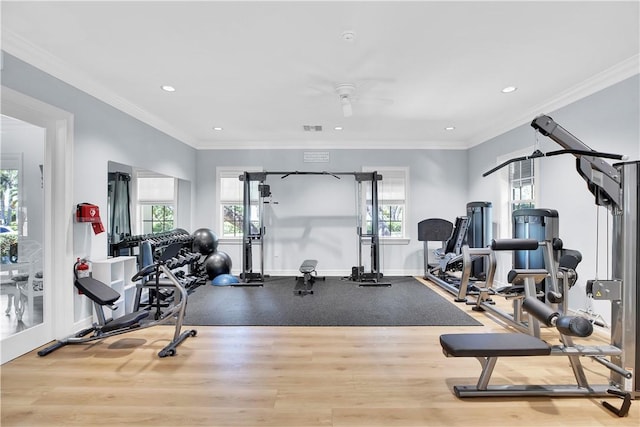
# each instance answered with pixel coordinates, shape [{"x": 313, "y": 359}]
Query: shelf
[{"x": 117, "y": 273}]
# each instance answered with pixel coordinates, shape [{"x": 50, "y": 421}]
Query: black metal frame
[{"x": 250, "y": 278}]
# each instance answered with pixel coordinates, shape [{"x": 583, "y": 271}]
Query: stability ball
[
  {"x": 217, "y": 263},
  {"x": 205, "y": 241},
  {"x": 224, "y": 280}
]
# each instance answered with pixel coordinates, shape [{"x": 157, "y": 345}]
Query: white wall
[
  {"x": 606, "y": 121},
  {"x": 441, "y": 181},
  {"x": 101, "y": 134},
  {"x": 315, "y": 216}
]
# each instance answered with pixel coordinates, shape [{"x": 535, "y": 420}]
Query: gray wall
[
  {"x": 605, "y": 121},
  {"x": 315, "y": 216},
  {"x": 101, "y": 134}
]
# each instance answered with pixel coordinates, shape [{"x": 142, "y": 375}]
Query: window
[
  {"x": 156, "y": 195},
  {"x": 9, "y": 204},
  {"x": 521, "y": 185},
  {"x": 392, "y": 202},
  {"x": 230, "y": 201},
  {"x": 157, "y": 218},
  {"x": 10, "y": 173}
]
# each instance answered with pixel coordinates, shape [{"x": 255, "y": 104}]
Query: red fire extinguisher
[{"x": 82, "y": 268}]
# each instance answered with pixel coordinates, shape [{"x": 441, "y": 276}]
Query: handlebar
[
  {"x": 514, "y": 244},
  {"x": 149, "y": 269}
]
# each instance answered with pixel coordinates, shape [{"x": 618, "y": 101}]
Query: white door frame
[{"x": 58, "y": 222}]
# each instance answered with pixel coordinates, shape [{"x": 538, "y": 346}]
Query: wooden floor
[{"x": 287, "y": 376}]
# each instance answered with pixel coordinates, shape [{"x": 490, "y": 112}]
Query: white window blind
[{"x": 155, "y": 189}]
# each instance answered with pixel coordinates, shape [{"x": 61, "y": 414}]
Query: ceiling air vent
[{"x": 312, "y": 128}]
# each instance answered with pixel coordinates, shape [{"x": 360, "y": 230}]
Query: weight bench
[
  {"x": 309, "y": 276},
  {"x": 488, "y": 347},
  {"x": 103, "y": 295}
]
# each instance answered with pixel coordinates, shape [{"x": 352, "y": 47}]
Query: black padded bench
[
  {"x": 487, "y": 348},
  {"x": 309, "y": 276},
  {"x": 103, "y": 295},
  {"x": 493, "y": 345}
]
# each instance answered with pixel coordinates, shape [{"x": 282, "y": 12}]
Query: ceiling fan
[
  {"x": 349, "y": 94},
  {"x": 345, "y": 93}
]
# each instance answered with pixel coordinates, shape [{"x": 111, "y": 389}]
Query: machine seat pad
[
  {"x": 308, "y": 266},
  {"x": 97, "y": 291},
  {"x": 517, "y": 276},
  {"x": 493, "y": 345},
  {"x": 125, "y": 321}
]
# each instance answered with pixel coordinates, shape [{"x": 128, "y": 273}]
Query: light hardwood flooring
[{"x": 287, "y": 376}]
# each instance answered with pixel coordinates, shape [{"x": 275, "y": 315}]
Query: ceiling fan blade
[
  {"x": 347, "y": 109},
  {"x": 373, "y": 100}
]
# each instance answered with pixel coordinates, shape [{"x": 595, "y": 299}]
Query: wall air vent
[{"x": 312, "y": 128}]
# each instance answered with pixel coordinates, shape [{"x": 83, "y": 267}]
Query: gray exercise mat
[{"x": 335, "y": 302}]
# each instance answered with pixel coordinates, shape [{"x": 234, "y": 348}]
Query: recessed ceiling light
[
  {"x": 449, "y": 128},
  {"x": 168, "y": 88},
  {"x": 338, "y": 128},
  {"x": 217, "y": 128},
  {"x": 348, "y": 36},
  {"x": 509, "y": 89}
]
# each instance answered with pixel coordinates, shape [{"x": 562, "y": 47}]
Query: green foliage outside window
[
  {"x": 157, "y": 218},
  {"x": 390, "y": 220},
  {"x": 232, "y": 225},
  {"x": 6, "y": 240},
  {"x": 9, "y": 197}
]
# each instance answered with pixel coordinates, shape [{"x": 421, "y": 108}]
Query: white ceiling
[{"x": 262, "y": 70}]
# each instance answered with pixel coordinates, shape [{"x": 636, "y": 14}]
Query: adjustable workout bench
[
  {"x": 488, "y": 347},
  {"x": 308, "y": 269},
  {"x": 103, "y": 296}
]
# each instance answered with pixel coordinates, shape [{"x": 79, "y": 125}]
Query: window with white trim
[
  {"x": 230, "y": 200},
  {"x": 156, "y": 198},
  {"x": 392, "y": 201},
  {"x": 521, "y": 185}
]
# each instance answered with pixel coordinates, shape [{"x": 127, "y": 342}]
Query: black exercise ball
[
  {"x": 217, "y": 263},
  {"x": 205, "y": 241}
]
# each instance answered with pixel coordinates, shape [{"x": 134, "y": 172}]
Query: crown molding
[
  {"x": 26, "y": 51},
  {"x": 332, "y": 145},
  {"x": 619, "y": 72},
  {"x": 21, "y": 48}
]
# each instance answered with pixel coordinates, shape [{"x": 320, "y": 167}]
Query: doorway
[
  {"x": 36, "y": 163},
  {"x": 21, "y": 225}
]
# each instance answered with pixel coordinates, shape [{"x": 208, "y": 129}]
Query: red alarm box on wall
[{"x": 86, "y": 212}]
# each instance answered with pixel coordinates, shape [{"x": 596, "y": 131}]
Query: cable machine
[
  {"x": 616, "y": 187},
  {"x": 253, "y": 233},
  {"x": 119, "y": 211}
]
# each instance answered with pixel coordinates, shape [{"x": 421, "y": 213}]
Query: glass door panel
[{"x": 21, "y": 226}]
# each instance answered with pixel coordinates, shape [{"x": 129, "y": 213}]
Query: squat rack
[{"x": 255, "y": 234}]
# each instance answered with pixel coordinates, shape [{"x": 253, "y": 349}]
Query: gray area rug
[{"x": 335, "y": 302}]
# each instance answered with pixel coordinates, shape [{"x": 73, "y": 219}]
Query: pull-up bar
[
  {"x": 250, "y": 278},
  {"x": 261, "y": 176}
]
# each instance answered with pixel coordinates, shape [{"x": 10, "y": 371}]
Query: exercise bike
[{"x": 154, "y": 276}]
